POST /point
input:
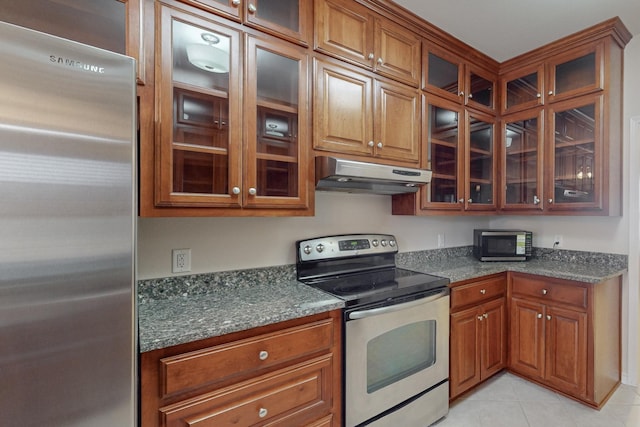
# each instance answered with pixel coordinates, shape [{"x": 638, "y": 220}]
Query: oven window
[{"x": 400, "y": 353}]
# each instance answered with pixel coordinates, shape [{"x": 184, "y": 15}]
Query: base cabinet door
[
  {"x": 494, "y": 352},
  {"x": 527, "y": 338},
  {"x": 566, "y": 339}
]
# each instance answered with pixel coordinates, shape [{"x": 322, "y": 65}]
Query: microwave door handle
[{"x": 391, "y": 308}]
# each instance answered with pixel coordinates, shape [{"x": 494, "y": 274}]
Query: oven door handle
[{"x": 391, "y": 308}]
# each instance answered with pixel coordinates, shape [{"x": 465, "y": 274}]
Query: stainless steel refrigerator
[{"x": 68, "y": 337}]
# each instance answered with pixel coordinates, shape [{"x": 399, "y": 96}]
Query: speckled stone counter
[
  {"x": 177, "y": 310},
  {"x": 458, "y": 264}
]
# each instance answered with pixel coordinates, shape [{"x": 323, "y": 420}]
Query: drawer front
[
  {"x": 192, "y": 370},
  {"x": 547, "y": 290},
  {"x": 477, "y": 292},
  {"x": 293, "y": 396}
]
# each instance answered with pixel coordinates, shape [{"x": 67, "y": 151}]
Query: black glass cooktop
[{"x": 377, "y": 285}]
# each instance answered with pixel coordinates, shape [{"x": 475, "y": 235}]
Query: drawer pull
[
  {"x": 263, "y": 355},
  {"x": 544, "y": 292},
  {"x": 485, "y": 315},
  {"x": 539, "y": 315},
  {"x": 262, "y": 412},
  {"x": 483, "y": 291},
  {"x": 548, "y": 317}
]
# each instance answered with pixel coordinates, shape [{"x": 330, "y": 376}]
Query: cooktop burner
[
  {"x": 360, "y": 269},
  {"x": 373, "y": 286}
]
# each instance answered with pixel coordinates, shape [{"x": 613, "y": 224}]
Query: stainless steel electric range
[{"x": 395, "y": 329}]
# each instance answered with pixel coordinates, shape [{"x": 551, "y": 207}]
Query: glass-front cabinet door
[
  {"x": 574, "y": 164},
  {"x": 522, "y": 89},
  {"x": 481, "y": 88},
  {"x": 444, "y": 150},
  {"x": 522, "y": 142},
  {"x": 575, "y": 74},
  {"x": 291, "y": 18},
  {"x": 276, "y": 133},
  {"x": 199, "y": 136},
  {"x": 480, "y": 163},
  {"x": 443, "y": 74}
]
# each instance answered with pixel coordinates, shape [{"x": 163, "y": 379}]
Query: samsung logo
[{"x": 76, "y": 64}]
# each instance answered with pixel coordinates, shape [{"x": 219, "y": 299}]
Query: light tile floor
[{"x": 509, "y": 401}]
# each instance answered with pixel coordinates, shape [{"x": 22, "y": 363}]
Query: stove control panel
[{"x": 345, "y": 246}]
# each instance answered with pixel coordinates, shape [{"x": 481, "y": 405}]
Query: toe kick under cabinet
[
  {"x": 565, "y": 335},
  {"x": 287, "y": 374}
]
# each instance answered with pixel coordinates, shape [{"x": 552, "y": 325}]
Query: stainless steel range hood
[{"x": 334, "y": 174}]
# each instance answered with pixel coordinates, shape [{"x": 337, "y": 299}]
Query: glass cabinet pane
[
  {"x": 521, "y": 162},
  {"x": 481, "y": 90},
  {"x": 480, "y": 161},
  {"x": 574, "y": 149},
  {"x": 442, "y": 74},
  {"x": 522, "y": 90},
  {"x": 200, "y": 76},
  {"x": 575, "y": 74},
  {"x": 277, "y": 81},
  {"x": 443, "y": 154},
  {"x": 284, "y": 13}
]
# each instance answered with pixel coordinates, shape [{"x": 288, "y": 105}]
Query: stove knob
[
  {"x": 392, "y": 243},
  {"x": 307, "y": 249},
  {"x": 383, "y": 243},
  {"x": 374, "y": 242},
  {"x": 320, "y": 247}
]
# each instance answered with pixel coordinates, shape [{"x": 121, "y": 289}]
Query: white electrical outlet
[
  {"x": 441, "y": 241},
  {"x": 181, "y": 260},
  {"x": 557, "y": 241}
]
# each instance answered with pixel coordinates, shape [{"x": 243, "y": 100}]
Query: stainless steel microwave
[{"x": 502, "y": 245}]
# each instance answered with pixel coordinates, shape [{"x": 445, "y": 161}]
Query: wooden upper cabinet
[
  {"x": 290, "y": 19},
  {"x": 449, "y": 76},
  {"x": 352, "y": 32},
  {"x": 359, "y": 115}
]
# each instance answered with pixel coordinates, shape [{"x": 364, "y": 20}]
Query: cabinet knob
[
  {"x": 536, "y": 200},
  {"x": 379, "y": 145},
  {"x": 380, "y": 61},
  {"x": 538, "y": 95},
  {"x": 252, "y": 8},
  {"x": 470, "y": 200},
  {"x": 548, "y": 317},
  {"x": 539, "y": 315},
  {"x": 371, "y": 56},
  {"x": 253, "y": 191},
  {"x": 235, "y": 190},
  {"x": 550, "y": 92},
  {"x": 470, "y": 96},
  {"x": 550, "y": 200},
  {"x": 460, "y": 200},
  {"x": 263, "y": 412},
  {"x": 544, "y": 292},
  {"x": 371, "y": 143},
  {"x": 483, "y": 291},
  {"x": 263, "y": 355},
  {"x": 461, "y": 93},
  {"x": 236, "y": 2},
  {"x": 485, "y": 315},
  {"x": 480, "y": 318}
]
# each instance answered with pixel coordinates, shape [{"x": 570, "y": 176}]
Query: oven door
[{"x": 394, "y": 353}]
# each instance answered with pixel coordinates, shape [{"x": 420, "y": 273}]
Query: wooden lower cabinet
[
  {"x": 478, "y": 333},
  {"x": 286, "y": 374},
  {"x": 566, "y": 335}
]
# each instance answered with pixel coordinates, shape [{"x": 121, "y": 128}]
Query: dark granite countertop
[
  {"x": 177, "y": 310},
  {"x": 458, "y": 264}
]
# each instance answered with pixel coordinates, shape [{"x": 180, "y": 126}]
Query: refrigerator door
[{"x": 67, "y": 202}]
